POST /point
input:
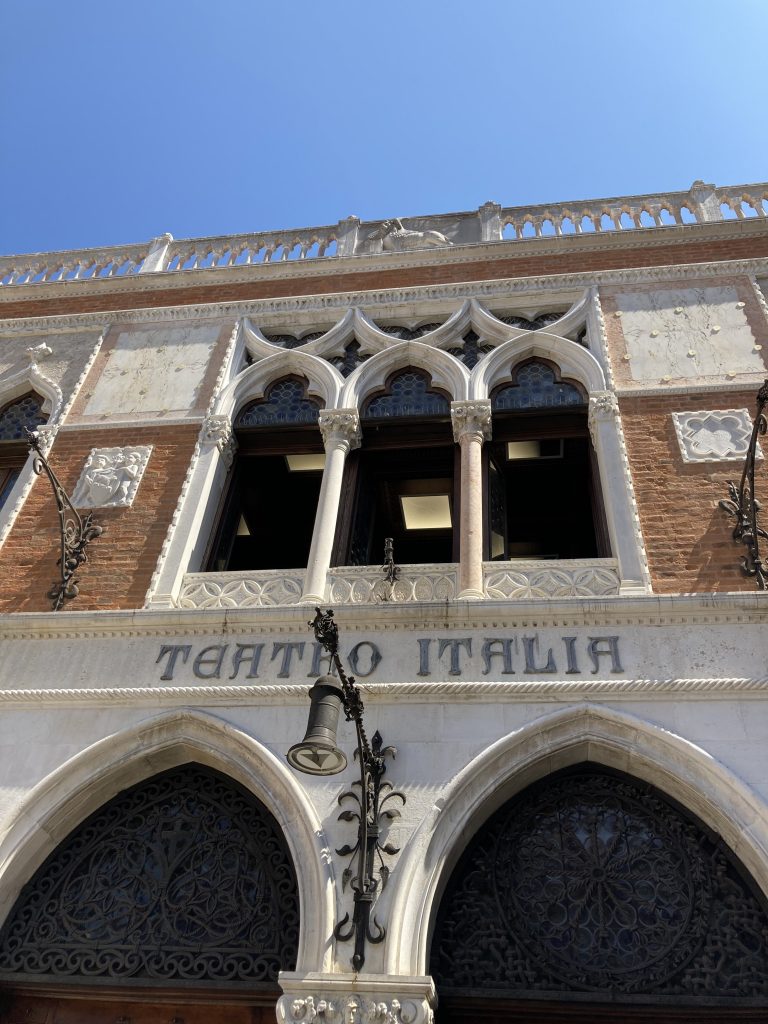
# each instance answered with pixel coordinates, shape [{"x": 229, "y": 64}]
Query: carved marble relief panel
[
  {"x": 719, "y": 436},
  {"x": 111, "y": 477},
  {"x": 689, "y": 333},
  {"x": 154, "y": 371}
]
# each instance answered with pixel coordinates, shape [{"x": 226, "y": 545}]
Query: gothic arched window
[
  {"x": 25, "y": 412},
  {"x": 594, "y": 883},
  {"x": 184, "y": 877},
  {"x": 268, "y": 512},
  {"x": 543, "y": 494}
]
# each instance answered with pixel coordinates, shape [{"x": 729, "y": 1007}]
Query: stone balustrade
[{"x": 701, "y": 204}]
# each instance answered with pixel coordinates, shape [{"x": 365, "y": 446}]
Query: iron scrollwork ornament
[
  {"x": 366, "y": 873},
  {"x": 744, "y": 506},
  {"x": 76, "y": 531}
]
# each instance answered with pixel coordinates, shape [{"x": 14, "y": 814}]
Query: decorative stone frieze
[
  {"x": 111, "y": 477},
  {"x": 340, "y": 425},
  {"x": 721, "y": 435},
  {"x": 218, "y": 430},
  {"x": 471, "y": 418},
  {"x": 366, "y": 585}
]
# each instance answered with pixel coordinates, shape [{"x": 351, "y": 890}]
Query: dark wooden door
[{"x": 20, "y": 1008}]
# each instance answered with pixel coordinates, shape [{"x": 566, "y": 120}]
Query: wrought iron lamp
[
  {"x": 76, "y": 531},
  {"x": 744, "y": 506},
  {"x": 317, "y": 754}
]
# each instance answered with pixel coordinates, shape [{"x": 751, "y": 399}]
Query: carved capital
[
  {"x": 354, "y": 1008},
  {"x": 340, "y": 425},
  {"x": 471, "y": 418},
  {"x": 218, "y": 430}
]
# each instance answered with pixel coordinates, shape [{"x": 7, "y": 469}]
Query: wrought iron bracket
[
  {"x": 744, "y": 506},
  {"x": 76, "y": 531},
  {"x": 390, "y": 570},
  {"x": 373, "y": 807}
]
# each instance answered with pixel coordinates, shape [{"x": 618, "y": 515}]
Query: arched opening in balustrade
[
  {"x": 17, "y": 416},
  {"x": 400, "y": 482},
  {"x": 175, "y": 900},
  {"x": 268, "y": 510},
  {"x": 593, "y": 896},
  {"x": 542, "y": 494}
]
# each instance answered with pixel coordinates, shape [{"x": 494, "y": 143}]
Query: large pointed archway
[
  {"x": 178, "y": 893},
  {"x": 590, "y": 895}
]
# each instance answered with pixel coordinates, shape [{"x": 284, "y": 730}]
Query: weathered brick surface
[
  {"x": 120, "y": 562},
  {"x": 518, "y": 265},
  {"x": 687, "y": 536}
]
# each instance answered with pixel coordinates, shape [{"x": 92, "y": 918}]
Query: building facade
[{"x": 496, "y": 444}]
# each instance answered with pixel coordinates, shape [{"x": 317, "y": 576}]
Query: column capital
[
  {"x": 217, "y": 430},
  {"x": 340, "y": 425},
  {"x": 355, "y": 999},
  {"x": 603, "y": 407},
  {"x": 471, "y": 418}
]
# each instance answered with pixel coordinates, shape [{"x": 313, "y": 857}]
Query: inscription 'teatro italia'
[{"x": 439, "y": 656}]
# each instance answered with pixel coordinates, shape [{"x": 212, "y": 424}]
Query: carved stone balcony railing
[
  {"x": 702, "y": 203},
  {"x": 577, "y": 577},
  {"x": 249, "y": 589},
  {"x": 365, "y": 584}
]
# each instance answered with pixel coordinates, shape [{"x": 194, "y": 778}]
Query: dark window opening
[{"x": 23, "y": 412}]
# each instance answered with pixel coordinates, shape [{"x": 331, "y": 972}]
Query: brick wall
[
  {"x": 687, "y": 536},
  {"x": 120, "y": 562},
  {"x": 518, "y": 265}
]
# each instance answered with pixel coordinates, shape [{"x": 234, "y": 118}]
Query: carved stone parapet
[
  {"x": 355, "y": 999},
  {"x": 111, "y": 477},
  {"x": 471, "y": 418},
  {"x": 340, "y": 425},
  {"x": 218, "y": 430}
]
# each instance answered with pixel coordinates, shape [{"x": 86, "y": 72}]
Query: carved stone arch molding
[
  {"x": 447, "y": 373},
  {"x": 680, "y": 770},
  {"x": 573, "y": 360},
  {"x": 325, "y": 381},
  {"x": 69, "y": 795}
]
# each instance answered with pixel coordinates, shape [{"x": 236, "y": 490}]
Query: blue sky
[{"x": 125, "y": 120}]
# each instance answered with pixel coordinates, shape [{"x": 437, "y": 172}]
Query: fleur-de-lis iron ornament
[
  {"x": 744, "y": 506},
  {"x": 366, "y": 873},
  {"x": 76, "y": 531}
]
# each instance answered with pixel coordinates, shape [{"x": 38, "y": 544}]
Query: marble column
[
  {"x": 341, "y": 433},
  {"x": 471, "y": 426}
]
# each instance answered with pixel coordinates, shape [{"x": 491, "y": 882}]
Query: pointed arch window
[
  {"x": 543, "y": 497},
  {"x": 25, "y": 412},
  {"x": 591, "y": 887},
  {"x": 268, "y": 512},
  {"x": 183, "y": 878},
  {"x": 400, "y": 483}
]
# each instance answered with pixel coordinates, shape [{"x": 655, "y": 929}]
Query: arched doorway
[
  {"x": 176, "y": 901},
  {"x": 591, "y": 896}
]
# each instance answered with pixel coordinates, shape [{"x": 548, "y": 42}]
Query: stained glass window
[
  {"x": 285, "y": 403},
  {"x": 26, "y": 411},
  {"x": 536, "y": 388},
  {"x": 409, "y": 393}
]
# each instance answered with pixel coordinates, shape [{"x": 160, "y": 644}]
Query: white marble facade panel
[{"x": 111, "y": 477}]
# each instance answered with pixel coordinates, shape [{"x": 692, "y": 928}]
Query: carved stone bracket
[
  {"x": 340, "y": 425},
  {"x": 471, "y": 418},
  {"x": 111, "y": 477},
  {"x": 378, "y": 1000},
  {"x": 218, "y": 430},
  {"x": 603, "y": 405}
]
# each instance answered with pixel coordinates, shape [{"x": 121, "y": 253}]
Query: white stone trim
[
  {"x": 574, "y": 361},
  {"x": 577, "y": 577},
  {"x": 50, "y": 810},
  {"x": 325, "y": 381},
  {"x": 568, "y": 736},
  {"x": 719, "y": 435},
  {"x": 355, "y": 999},
  {"x": 446, "y": 371}
]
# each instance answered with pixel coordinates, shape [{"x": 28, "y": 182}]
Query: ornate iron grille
[
  {"x": 25, "y": 412},
  {"x": 286, "y": 403},
  {"x": 409, "y": 393},
  {"x": 535, "y": 387},
  {"x": 591, "y": 882},
  {"x": 183, "y": 877}
]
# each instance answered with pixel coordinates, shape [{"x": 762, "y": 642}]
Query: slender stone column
[
  {"x": 471, "y": 426},
  {"x": 341, "y": 433}
]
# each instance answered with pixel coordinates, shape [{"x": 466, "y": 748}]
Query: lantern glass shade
[{"x": 317, "y": 754}]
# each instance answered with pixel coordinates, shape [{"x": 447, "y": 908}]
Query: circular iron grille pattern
[
  {"x": 591, "y": 882},
  {"x": 184, "y": 876}
]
